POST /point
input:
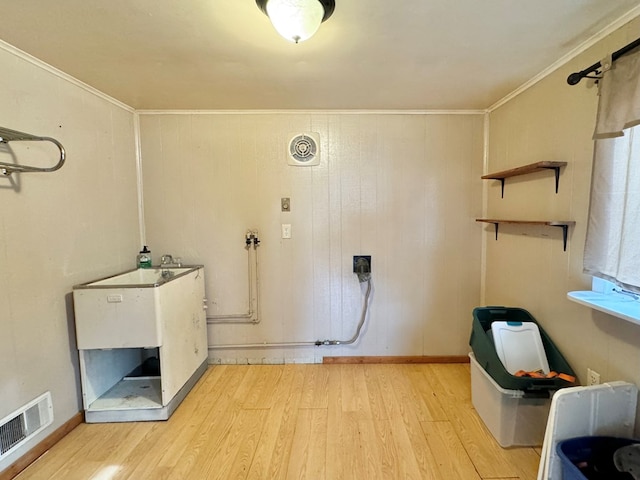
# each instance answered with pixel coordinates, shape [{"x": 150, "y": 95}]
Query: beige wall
[
  {"x": 403, "y": 188},
  {"x": 526, "y": 267},
  {"x": 57, "y": 229}
]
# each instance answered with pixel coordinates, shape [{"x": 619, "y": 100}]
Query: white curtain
[
  {"x": 619, "y": 90},
  {"x": 612, "y": 249}
]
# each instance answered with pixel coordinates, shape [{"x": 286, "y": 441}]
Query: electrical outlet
[
  {"x": 362, "y": 264},
  {"x": 593, "y": 377},
  {"x": 286, "y": 230}
]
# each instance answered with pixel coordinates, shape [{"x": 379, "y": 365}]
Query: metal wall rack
[{"x": 7, "y": 135}]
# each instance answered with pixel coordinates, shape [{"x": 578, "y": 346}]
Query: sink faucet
[{"x": 168, "y": 261}]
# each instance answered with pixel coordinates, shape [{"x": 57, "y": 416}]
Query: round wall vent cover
[{"x": 304, "y": 149}]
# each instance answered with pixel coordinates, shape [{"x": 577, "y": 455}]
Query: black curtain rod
[{"x": 575, "y": 78}]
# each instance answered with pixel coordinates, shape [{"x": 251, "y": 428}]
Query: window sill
[{"x": 603, "y": 298}]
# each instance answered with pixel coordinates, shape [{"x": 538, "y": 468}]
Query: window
[{"x": 612, "y": 249}]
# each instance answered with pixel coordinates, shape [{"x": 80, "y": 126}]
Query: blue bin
[{"x": 591, "y": 458}]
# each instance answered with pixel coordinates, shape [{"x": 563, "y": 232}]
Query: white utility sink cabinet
[{"x": 142, "y": 338}]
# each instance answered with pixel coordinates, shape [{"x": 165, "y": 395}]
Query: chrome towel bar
[{"x": 7, "y": 136}]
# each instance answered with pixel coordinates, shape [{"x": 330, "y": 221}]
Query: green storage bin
[{"x": 485, "y": 353}]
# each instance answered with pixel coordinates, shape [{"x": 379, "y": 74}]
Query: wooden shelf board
[
  {"x": 551, "y": 223},
  {"x": 564, "y": 224},
  {"x": 525, "y": 169}
]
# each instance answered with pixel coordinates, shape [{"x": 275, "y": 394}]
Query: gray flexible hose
[
  {"x": 365, "y": 308},
  {"x": 363, "y": 316}
]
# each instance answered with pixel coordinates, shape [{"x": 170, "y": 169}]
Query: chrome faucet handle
[{"x": 166, "y": 259}]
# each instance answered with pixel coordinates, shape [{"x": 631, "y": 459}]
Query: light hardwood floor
[{"x": 304, "y": 422}]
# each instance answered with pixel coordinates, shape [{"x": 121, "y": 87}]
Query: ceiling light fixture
[{"x": 297, "y": 20}]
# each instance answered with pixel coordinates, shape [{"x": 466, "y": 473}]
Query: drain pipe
[
  {"x": 365, "y": 277},
  {"x": 251, "y": 317}
]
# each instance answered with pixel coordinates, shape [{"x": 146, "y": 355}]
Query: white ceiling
[{"x": 371, "y": 54}]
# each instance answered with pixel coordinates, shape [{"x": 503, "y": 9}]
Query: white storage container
[{"x": 513, "y": 419}]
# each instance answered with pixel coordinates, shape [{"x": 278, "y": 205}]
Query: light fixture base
[{"x": 328, "y": 5}]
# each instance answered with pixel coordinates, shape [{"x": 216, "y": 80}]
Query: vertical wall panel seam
[
  {"x": 139, "y": 179},
  {"x": 485, "y": 201}
]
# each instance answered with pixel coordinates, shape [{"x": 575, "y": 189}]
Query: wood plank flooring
[{"x": 266, "y": 422}]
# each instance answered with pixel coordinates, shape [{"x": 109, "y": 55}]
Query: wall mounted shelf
[
  {"x": 524, "y": 170},
  {"x": 550, "y": 223}
]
